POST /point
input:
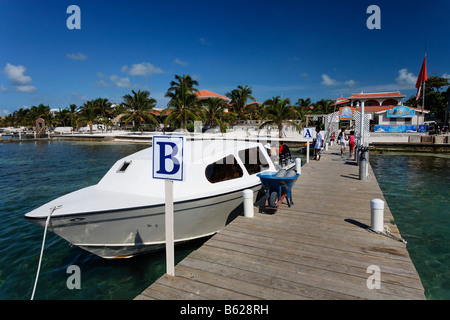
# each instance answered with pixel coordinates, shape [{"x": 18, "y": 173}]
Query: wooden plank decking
[{"x": 317, "y": 249}]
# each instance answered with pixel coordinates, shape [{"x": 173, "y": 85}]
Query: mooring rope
[
  {"x": 53, "y": 209},
  {"x": 387, "y": 232}
]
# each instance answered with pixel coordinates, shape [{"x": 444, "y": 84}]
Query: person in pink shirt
[{"x": 351, "y": 142}]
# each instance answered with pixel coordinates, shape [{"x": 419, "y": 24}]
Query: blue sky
[{"x": 296, "y": 49}]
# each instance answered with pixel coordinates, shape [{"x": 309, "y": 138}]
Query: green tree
[
  {"x": 88, "y": 114},
  {"x": 73, "y": 117},
  {"x": 435, "y": 99},
  {"x": 323, "y": 106},
  {"x": 183, "y": 104},
  {"x": 104, "y": 111},
  {"x": 239, "y": 98},
  {"x": 40, "y": 111},
  {"x": 279, "y": 111},
  {"x": 213, "y": 111},
  {"x": 139, "y": 107}
]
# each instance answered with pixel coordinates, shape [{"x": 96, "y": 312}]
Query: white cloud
[
  {"x": 26, "y": 88},
  {"x": 328, "y": 81},
  {"x": 142, "y": 69},
  {"x": 16, "y": 76},
  {"x": 406, "y": 78},
  {"x": 181, "y": 63},
  {"x": 3, "y": 88},
  {"x": 76, "y": 56},
  {"x": 202, "y": 41},
  {"x": 101, "y": 83},
  {"x": 446, "y": 75},
  {"x": 18, "y": 79},
  {"x": 120, "y": 82},
  {"x": 351, "y": 83}
]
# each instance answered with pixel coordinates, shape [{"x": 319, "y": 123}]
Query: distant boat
[{"x": 123, "y": 215}]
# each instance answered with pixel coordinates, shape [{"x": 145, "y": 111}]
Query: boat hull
[{"x": 127, "y": 232}]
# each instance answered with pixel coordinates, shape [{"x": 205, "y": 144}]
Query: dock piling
[
  {"x": 248, "y": 203},
  {"x": 377, "y": 215},
  {"x": 298, "y": 165}
]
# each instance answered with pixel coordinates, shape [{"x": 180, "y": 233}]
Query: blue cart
[{"x": 278, "y": 186}]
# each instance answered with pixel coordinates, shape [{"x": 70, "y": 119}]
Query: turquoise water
[
  {"x": 416, "y": 188},
  {"x": 31, "y": 174}
]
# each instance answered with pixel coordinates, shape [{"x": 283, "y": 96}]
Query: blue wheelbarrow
[{"x": 278, "y": 186}]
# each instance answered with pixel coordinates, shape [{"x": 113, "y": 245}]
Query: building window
[
  {"x": 392, "y": 120},
  {"x": 253, "y": 159},
  {"x": 223, "y": 170}
]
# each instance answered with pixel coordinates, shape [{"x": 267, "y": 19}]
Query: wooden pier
[{"x": 320, "y": 248}]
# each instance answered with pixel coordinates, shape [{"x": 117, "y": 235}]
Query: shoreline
[{"x": 409, "y": 142}]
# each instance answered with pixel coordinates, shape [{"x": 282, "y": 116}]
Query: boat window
[
  {"x": 254, "y": 160},
  {"x": 124, "y": 166},
  {"x": 224, "y": 169}
]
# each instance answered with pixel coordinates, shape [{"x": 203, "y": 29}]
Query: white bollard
[
  {"x": 248, "y": 203},
  {"x": 298, "y": 165},
  {"x": 326, "y": 146},
  {"x": 377, "y": 215}
]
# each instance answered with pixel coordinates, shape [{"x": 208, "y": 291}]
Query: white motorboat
[{"x": 123, "y": 215}]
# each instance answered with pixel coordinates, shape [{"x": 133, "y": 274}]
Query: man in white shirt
[{"x": 319, "y": 144}]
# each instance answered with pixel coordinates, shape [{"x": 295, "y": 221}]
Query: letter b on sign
[{"x": 168, "y": 158}]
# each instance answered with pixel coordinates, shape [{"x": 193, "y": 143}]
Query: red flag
[{"x": 422, "y": 77}]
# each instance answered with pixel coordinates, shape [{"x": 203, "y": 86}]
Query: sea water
[
  {"x": 33, "y": 173},
  {"x": 417, "y": 190}
]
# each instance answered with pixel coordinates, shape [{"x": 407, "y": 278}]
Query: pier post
[
  {"x": 377, "y": 215},
  {"x": 307, "y": 151},
  {"x": 363, "y": 163},
  {"x": 298, "y": 165},
  {"x": 169, "y": 229},
  {"x": 248, "y": 203}
]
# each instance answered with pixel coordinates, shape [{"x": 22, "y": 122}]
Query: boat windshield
[
  {"x": 254, "y": 160},
  {"x": 224, "y": 169}
]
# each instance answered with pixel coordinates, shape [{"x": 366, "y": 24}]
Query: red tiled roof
[
  {"x": 340, "y": 101},
  {"x": 377, "y": 95},
  {"x": 384, "y": 108},
  {"x": 253, "y": 102},
  {"x": 205, "y": 94}
]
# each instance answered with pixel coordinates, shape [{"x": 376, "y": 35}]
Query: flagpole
[{"x": 423, "y": 101}]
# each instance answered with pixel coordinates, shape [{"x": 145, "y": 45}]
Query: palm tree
[
  {"x": 278, "y": 111},
  {"x": 88, "y": 114},
  {"x": 139, "y": 106},
  {"x": 239, "y": 99},
  {"x": 183, "y": 104},
  {"x": 323, "y": 105},
  {"x": 214, "y": 109},
  {"x": 73, "y": 115}
]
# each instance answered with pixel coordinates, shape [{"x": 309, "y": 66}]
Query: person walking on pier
[
  {"x": 351, "y": 142},
  {"x": 319, "y": 144},
  {"x": 341, "y": 138}
]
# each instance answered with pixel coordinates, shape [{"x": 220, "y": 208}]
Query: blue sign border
[{"x": 182, "y": 156}]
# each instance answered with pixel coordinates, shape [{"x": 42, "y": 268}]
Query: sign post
[
  {"x": 308, "y": 135},
  {"x": 168, "y": 165}
]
